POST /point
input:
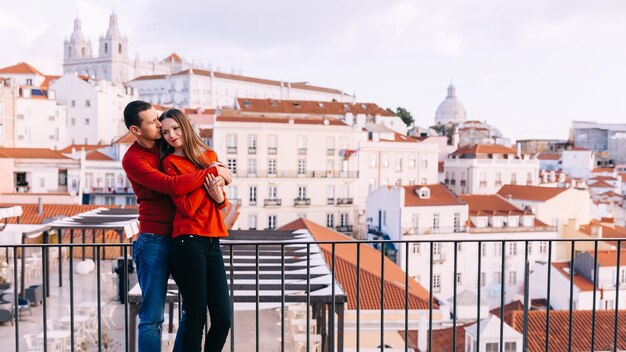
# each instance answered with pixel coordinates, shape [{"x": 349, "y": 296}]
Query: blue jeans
[{"x": 151, "y": 254}]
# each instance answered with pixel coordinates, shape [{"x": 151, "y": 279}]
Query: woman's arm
[{"x": 188, "y": 203}]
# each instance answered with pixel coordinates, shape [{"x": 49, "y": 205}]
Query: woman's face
[{"x": 172, "y": 133}]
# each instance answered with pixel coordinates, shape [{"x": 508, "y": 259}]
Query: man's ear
[{"x": 135, "y": 130}]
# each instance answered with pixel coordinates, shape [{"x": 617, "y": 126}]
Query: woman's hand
[
  {"x": 213, "y": 186},
  {"x": 223, "y": 171}
]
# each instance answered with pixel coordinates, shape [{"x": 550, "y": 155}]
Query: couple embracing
[{"x": 179, "y": 183}]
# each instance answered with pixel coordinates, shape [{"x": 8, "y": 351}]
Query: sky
[{"x": 526, "y": 67}]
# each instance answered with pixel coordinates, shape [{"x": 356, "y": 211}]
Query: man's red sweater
[{"x": 153, "y": 188}]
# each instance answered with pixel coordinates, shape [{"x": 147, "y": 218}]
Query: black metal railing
[{"x": 257, "y": 260}]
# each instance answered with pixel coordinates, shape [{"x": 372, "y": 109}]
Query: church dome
[
  {"x": 451, "y": 109},
  {"x": 77, "y": 36}
]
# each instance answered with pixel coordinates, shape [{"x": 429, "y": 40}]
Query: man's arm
[{"x": 140, "y": 171}]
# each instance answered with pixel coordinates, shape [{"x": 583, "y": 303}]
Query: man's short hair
[{"x": 132, "y": 110}]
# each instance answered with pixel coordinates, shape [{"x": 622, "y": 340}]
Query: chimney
[{"x": 39, "y": 206}]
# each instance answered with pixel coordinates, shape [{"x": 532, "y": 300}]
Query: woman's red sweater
[{"x": 196, "y": 212}]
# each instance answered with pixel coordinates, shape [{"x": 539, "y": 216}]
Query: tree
[{"x": 405, "y": 115}]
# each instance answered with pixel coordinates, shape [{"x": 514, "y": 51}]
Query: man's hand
[
  {"x": 223, "y": 172},
  {"x": 213, "y": 186}
]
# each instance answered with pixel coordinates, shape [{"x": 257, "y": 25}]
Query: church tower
[
  {"x": 77, "y": 47},
  {"x": 114, "y": 52}
]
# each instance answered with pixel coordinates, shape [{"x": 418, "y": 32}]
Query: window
[
  {"x": 271, "y": 222},
  {"x": 343, "y": 218},
  {"x": 252, "y": 195},
  {"x": 330, "y": 220},
  {"x": 436, "y": 282},
  {"x": 131, "y": 200},
  {"x": 457, "y": 222},
  {"x": 87, "y": 122},
  {"x": 373, "y": 160},
  {"x": 491, "y": 347},
  {"x": 232, "y": 165},
  {"x": 436, "y": 248},
  {"x": 497, "y": 277},
  {"x": 330, "y": 146},
  {"x": 384, "y": 218},
  {"x": 483, "y": 279},
  {"x": 301, "y": 167},
  {"x": 436, "y": 221},
  {"x": 412, "y": 163},
  {"x": 497, "y": 249},
  {"x": 73, "y": 103},
  {"x": 416, "y": 248},
  {"x": 530, "y": 248},
  {"x": 498, "y": 179},
  {"x": 252, "y": 143},
  {"x": 252, "y": 167},
  {"x": 106, "y": 48},
  {"x": 109, "y": 200},
  {"x": 512, "y": 277},
  {"x": 231, "y": 143},
  {"x": 529, "y": 179},
  {"x": 272, "y": 192},
  {"x": 514, "y": 178},
  {"x": 543, "y": 247},
  {"x": 330, "y": 194},
  {"x": 425, "y": 163},
  {"x": 513, "y": 248},
  {"x": 301, "y": 192},
  {"x": 458, "y": 279},
  {"x": 73, "y": 122},
  {"x": 459, "y": 247},
  {"x": 271, "y": 167},
  {"x": 252, "y": 222},
  {"x": 510, "y": 347},
  {"x": 42, "y": 182},
  {"x": 272, "y": 144},
  {"x": 29, "y": 81},
  {"x": 51, "y": 118},
  {"x": 483, "y": 180},
  {"x": 483, "y": 249},
  {"x": 87, "y": 103},
  {"x": 301, "y": 142},
  {"x": 398, "y": 165},
  {"x": 385, "y": 161}
]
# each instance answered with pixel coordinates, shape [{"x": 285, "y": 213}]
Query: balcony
[
  {"x": 344, "y": 201},
  {"x": 306, "y": 290},
  {"x": 231, "y": 150},
  {"x": 301, "y": 151},
  {"x": 272, "y": 150},
  {"x": 344, "y": 228},
  {"x": 272, "y": 202},
  {"x": 301, "y": 202},
  {"x": 251, "y": 150},
  {"x": 252, "y": 202},
  {"x": 330, "y": 201},
  {"x": 330, "y": 152}
]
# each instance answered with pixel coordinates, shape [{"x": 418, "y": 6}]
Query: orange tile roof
[
  {"x": 442, "y": 339},
  {"x": 21, "y": 68},
  {"x": 603, "y": 169},
  {"x": 30, "y": 216},
  {"x": 581, "y": 329},
  {"x": 483, "y": 149},
  {"x": 609, "y": 257},
  {"x": 439, "y": 195},
  {"x": 532, "y": 193},
  {"x": 79, "y": 147},
  {"x": 128, "y": 138},
  {"x": 49, "y": 79},
  {"x": 612, "y": 231},
  {"x": 370, "y": 277},
  {"x": 548, "y": 156},
  {"x": 31, "y": 153},
  {"x": 310, "y": 107},
  {"x": 282, "y": 120},
  {"x": 603, "y": 178},
  {"x": 147, "y": 78},
  {"x": 397, "y": 137},
  {"x": 611, "y": 194},
  {"x": 173, "y": 58},
  {"x": 577, "y": 149},
  {"x": 579, "y": 281},
  {"x": 600, "y": 184},
  {"x": 490, "y": 205},
  {"x": 96, "y": 155}
]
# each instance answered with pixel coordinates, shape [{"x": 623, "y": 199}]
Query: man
[{"x": 156, "y": 214}]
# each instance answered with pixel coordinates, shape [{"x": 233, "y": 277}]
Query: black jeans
[{"x": 198, "y": 268}]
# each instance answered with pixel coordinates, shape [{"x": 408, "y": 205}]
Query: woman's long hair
[{"x": 193, "y": 146}]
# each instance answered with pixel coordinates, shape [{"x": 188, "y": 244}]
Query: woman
[{"x": 198, "y": 265}]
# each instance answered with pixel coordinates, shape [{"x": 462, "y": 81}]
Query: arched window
[
  {"x": 83, "y": 51},
  {"x": 119, "y": 48},
  {"x": 106, "y": 48},
  {"x": 69, "y": 51}
]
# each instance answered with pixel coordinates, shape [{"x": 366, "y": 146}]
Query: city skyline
[{"x": 519, "y": 68}]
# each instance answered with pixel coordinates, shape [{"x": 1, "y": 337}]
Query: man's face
[{"x": 150, "y": 127}]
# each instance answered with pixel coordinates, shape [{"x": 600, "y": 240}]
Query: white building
[
  {"x": 608, "y": 274},
  {"x": 577, "y": 162},
  {"x": 95, "y": 109},
  {"x": 7, "y": 113},
  {"x": 489, "y": 334},
  {"x": 112, "y": 63},
  {"x": 451, "y": 110},
  {"x": 32, "y": 173},
  {"x": 210, "y": 89},
  {"x": 484, "y": 168},
  {"x": 433, "y": 213},
  {"x": 286, "y": 168}
]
